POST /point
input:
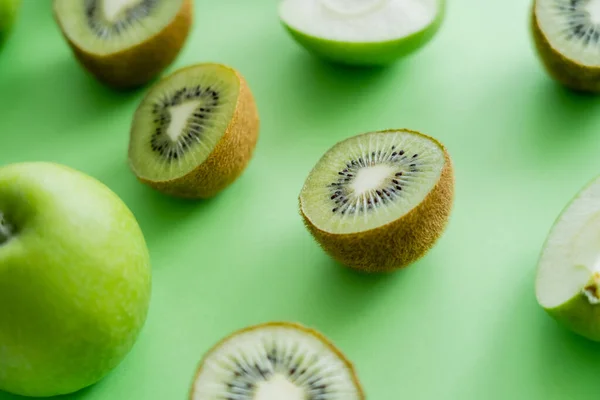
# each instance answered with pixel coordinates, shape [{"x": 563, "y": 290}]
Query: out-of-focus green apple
[
  {"x": 8, "y": 15},
  {"x": 75, "y": 280}
]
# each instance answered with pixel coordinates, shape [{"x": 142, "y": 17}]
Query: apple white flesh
[
  {"x": 362, "y": 31},
  {"x": 75, "y": 280},
  {"x": 568, "y": 274}
]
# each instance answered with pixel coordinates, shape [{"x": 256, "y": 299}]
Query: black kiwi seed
[
  {"x": 345, "y": 200},
  {"x": 168, "y": 149},
  {"x": 578, "y": 21},
  {"x": 105, "y": 29}
]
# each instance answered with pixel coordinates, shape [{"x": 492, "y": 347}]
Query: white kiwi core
[
  {"x": 359, "y": 20},
  {"x": 179, "y": 117},
  {"x": 112, "y": 8},
  {"x": 593, "y": 8},
  {"x": 371, "y": 178},
  {"x": 570, "y": 262},
  {"x": 277, "y": 362},
  {"x": 572, "y": 28},
  {"x": 277, "y": 387}
]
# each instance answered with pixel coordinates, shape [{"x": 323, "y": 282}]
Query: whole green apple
[
  {"x": 8, "y": 15},
  {"x": 75, "y": 280}
]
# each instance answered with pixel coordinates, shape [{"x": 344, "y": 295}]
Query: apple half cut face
[
  {"x": 362, "y": 32},
  {"x": 568, "y": 274}
]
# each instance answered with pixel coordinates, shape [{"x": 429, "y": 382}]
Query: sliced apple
[
  {"x": 568, "y": 274},
  {"x": 362, "y": 32}
]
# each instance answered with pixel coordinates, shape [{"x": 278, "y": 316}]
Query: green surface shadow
[
  {"x": 158, "y": 214},
  {"x": 325, "y": 93},
  {"x": 558, "y": 120},
  {"x": 81, "y": 394},
  {"x": 66, "y": 87},
  {"x": 528, "y": 349},
  {"x": 339, "y": 295}
]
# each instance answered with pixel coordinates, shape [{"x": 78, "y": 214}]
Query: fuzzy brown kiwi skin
[
  {"x": 567, "y": 72},
  {"x": 292, "y": 325},
  {"x": 228, "y": 159},
  {"x": 136, "y": 66},
  {"x": 401, "y": 242}
]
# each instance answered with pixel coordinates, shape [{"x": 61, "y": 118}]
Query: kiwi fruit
[
  {"x": 194, "y": 131},
  {"x": 566, "y": 34},
  {"x": 362, "y": 33},
  {"x": 275, "y": 361},
  {"x": 378, "y": 201},
  {"x": 124, "y": 43}
]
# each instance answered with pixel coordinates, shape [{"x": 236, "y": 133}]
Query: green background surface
[{"x": 462, "y": 323}]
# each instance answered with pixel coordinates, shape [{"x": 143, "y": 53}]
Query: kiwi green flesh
[
  {"x": 109, "y": 26},
  {"x": 572, "y": 27},
  {"x": 181, "y": 120},
  {"x": 274, "y": 363},
  {"x": 369, "y": 180}
]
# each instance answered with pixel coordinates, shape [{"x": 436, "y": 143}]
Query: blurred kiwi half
[
  {"x": 276, "y": 361},
  {"x": 124, "y": 43},
  {"x": 566, "y": 35}
]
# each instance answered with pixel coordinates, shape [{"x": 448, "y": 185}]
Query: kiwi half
[
  {"x": 194, "y": 132},
  {"x": 378, "y": 201},
  {"x": 566, "y": 35},
  {"x": 124, "y": 43},
  {"x": 275, "y": 361}
]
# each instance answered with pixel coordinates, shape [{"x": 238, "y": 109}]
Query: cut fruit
[
  {"x": 194, "y": 132},
  {"x": 276, "y": 361},
  {"x": 566, "y": 35},
  {"x": 379, "y": 201},
  {"x": 362, "y": 32},
  {"x": 124, "y": 43},
  {"x": 568, "y": 274}
]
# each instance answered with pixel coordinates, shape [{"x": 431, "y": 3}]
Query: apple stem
[{"x": 5, "y": 230}]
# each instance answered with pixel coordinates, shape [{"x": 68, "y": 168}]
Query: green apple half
[
  {"x": 362, "y": 32},
  {"x": 75, "y": 280},
  {"x": 8, "y": 15},
  {"x": 568, "y": 274}
]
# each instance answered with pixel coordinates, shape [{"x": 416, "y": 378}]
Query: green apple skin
[
  {"x": 8, "y": 14},
  {"x": 75, "y": 280},
  {"x": 368, "y": 54},
  {"x": 579, "y": 316}
]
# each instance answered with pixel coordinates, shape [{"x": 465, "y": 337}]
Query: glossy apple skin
[
  {"x": 75, "y": 280},
  {"x": 8, "y": 14}
]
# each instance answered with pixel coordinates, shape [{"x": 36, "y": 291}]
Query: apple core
[
  {"x": 592, "y": 289},
  {"x": 353, "y": 7}
]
